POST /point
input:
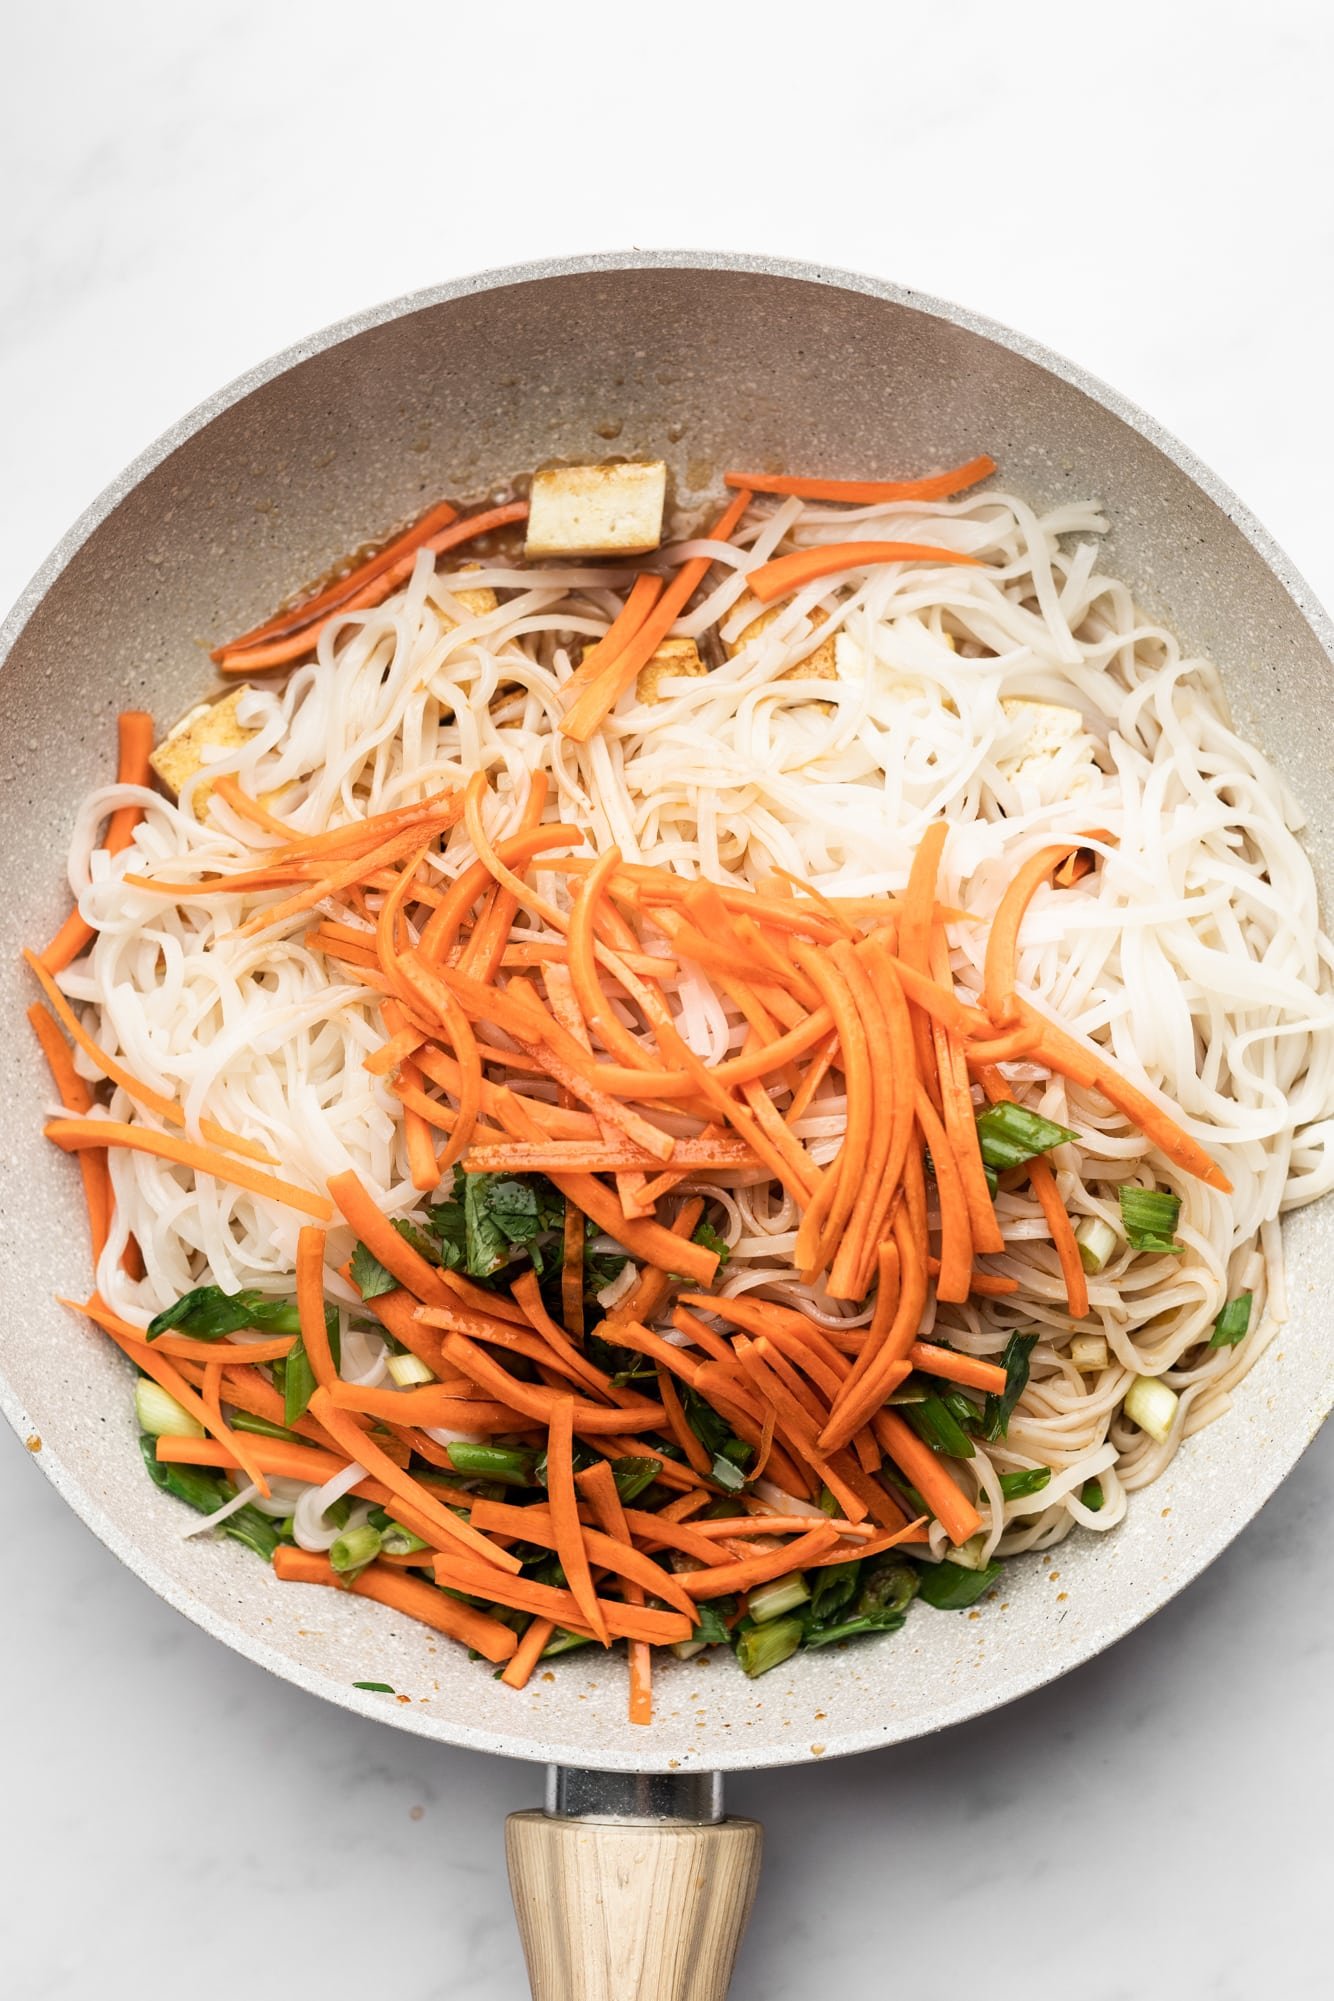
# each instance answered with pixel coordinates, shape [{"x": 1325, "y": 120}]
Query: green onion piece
[
  {"x": 934, "y": 1423},
  {"x": 203, "y": 1492},
  {"x": 993, "y": 1180},
  {"x": 952, "y": 1589},
  {"x": 969, "y": 1555},
  {"x": 337, "y": 1512},
  {"x": 711, "y": 1621},
  {"x": 1152, "y": 1406},
  {"x": 508, "y": 1464},
  {"x": 1009, "y": 1135},
  {"x": 298, "y": 1383},
  {"x": 160, "y": 1415},
  {"x": 727, "y": 1473},
  {"x": 827, "y": 1503},
  {"x": 1093, "y": 1496},
  {"x": 1026, "y": 1480},
  {"x": 913, "y": 1389},
  {"x": 1233, "y": 1323},
  {"x": 685, "y": 1650},
  {"x": 241, "y": 1420},
  {"x": 1090, "y": 1351},
  {"x": 761, "y": 1648},
  {"x": 395, "y": 1540},
  {"x": 771, "y": 1601},
  {"x": 562, "y": 1642},
  {"x": 255, "y": 1530},
  {"x": 1097, "y": 1242},
  {"x": 1150, "y": 1218},
  {"x": 409, "y": 1370},
  {"x": 632, "y": 1475},
  {"x": 375, "y": 1687},
  {"x": 355, "y": 1548}
]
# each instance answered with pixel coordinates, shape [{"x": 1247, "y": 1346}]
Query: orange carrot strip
[
  {"x": 346, "y": 1433},
  {"x": 868, "y": 492},
  {"x": 310, "y": 1245},
  {"x": 643, "y": 596},
  {"x": 134, "y": 730},
  {"x": 572, "y": 1272},
  {"x": 915, "y": 921},
  {"x": 71, "y": 1134},
  {"x": 956, "y": 1103},
  {"x": 478, "y": 1630},
  {"x": 1043, "y": 1182},
  {"x": 600, "y": 697},
  {"x": 605, "y": 1157},
  {"x": 485, "y": 948},
  {"x": 815, "y": 1250},
  {"x": 275, "y": 1456},
  {"x": 884, "y": 1085},
  {"x": 276, "y": 653},
  {"x": 566, "y": 1526},
  {"x": 75, "y": 1096},
  {"x": 537, "y": 1524},
  {"x": 536, "y": 1401},
  {"x": 1001, "y": 966},
  {"x": 183, "y": 1349},
  {"x": 783, "y": 575},
  {"x": 384, "y": 1243},
  {"x": 955, "y": 1368},
  {"x": 881, "y": 1362},
  {"x": 947, "y": 1502},
  {"x": 143, "y": 1094},
  {"x": 298, "y": 616},
  {"x": 745, "y": 1574},
  {"x": 691, "y": 1446},
  {"x": 956, "y": 1240},
  {"x": 346, "y": 873},
  {"x": 525, "y": 1595},
  {"x": 528, "y": 1653}
]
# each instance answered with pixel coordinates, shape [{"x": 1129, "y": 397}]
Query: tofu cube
[
  {"x": 1052, "y": 753},
  {"x": 597, "y": 510},
  {"x": 818, "y": 665},
  {"x": 674, "y": 656},
  {"x": 212, "y": 726}
]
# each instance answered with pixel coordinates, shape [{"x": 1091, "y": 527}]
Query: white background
[{"x": 185, "y": 189}]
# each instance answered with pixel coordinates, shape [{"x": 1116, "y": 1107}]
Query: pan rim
[{"x": 1278, "y": 1461}]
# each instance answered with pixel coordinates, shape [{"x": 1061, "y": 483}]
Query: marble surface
[{"x": 187, "y": 190}]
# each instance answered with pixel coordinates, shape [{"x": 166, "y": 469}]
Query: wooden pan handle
[{"x": 631, "y": 1911}]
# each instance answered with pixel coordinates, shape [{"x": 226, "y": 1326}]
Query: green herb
[
  {"x": 950, "y": 1588},
  {"x": 761, "y": 1648},
  {"x": 1000, "y": 1409},
  {"x": 1233, "y": 1323},
  {"x": 633, "y": 1474},
  {"x": 504, "y": 1213},
  {"x": 716, "y": 1437},
  {"x": 1028, "y": 1480},
  {"x": 371, "y": 1279},
  {"x": 207, "y": 1313},
  {"x": 375, "y": 1687},
  {"x": 711, "y": 1621},
  {"x": 704, "y": 1233},
  {"x": 933, "y": 1422},
  {"x": 354, "y": 1549},
  {"x": 1009, "y": 1135},
  {"x": 510, "y": 1465},
  {"x": 241, "y": 1420},
  {"x": 1092, "y": 1496},
  {"x": 1150, "y": 1218}
]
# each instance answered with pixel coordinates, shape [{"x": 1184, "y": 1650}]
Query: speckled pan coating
[{"x": 705, "y": 361}]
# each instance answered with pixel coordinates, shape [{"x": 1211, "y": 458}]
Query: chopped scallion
[
  {"x": 1233, "y": 1323},
  {"x": 1089, "y": 1351},
  {"x": 1150, "y": 1218},
  {"x": 1093, "y": 1496},
  {"x": 936, "y": 1424},
  {"x": 355, "y": 1548},
  {"x": 1009, "y": 1135},
  {"x": 951, "y": 1588},
  {"x": 762, "y": 1648},
  {"x": 771, "y": 1601},
  {"x": 408, "y": 1370},
  {"x": 1097, "y": 1242},
  {"x": 1152, "y": 1406},
  {"x": 1025, "y": 1480},
  {"x": 160, "y": 1415},
  {"x": 508, "y": 1464}
]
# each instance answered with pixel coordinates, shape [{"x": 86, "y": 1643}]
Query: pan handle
[{"x": 631, "y": 1887}]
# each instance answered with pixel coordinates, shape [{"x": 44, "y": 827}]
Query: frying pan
[{"x": 631, "y": 1883}]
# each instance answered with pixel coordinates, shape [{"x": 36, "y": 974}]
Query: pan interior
[{"x": 704, "y": 363}]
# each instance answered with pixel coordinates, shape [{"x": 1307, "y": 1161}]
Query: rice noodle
[{"x": 1193, "y": 951}]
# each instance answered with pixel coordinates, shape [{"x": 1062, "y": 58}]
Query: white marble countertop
[{"x": 186, "y": 190}]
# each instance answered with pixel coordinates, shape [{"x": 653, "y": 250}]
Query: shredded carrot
[
  {"x": 278, "y": 652},
  {"x": 383, "y": 1241},
  {"x": 643, "y": 596},
  {"x": 690, "y": 1445},
  {"x": 532, "y": 1646},
  {"x": 135, "y": 733},
  {"x": 72, "y": 1134},
  {"x": 309, "y": 609},
  {"x": 601, "y": 695},
  {"x": 1043, "y": 1182},
  {"x": 566, "y": 1526},
  {"x": 310, "y": 1245},
  {"x": 76, "y": 1097},
  {"x": 953, "y": 1367},
  {"x": 478, "y": 1630},
  {"x": 523, "y": 1594},
  {"x": 868, "y": 492},
  {"x": 1001, "y": 970},
  {"x": 783, "y": 575},
  {"x": 947, "y": 1502}
]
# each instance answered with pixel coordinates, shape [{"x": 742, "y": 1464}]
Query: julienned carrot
[
  {"x": 569, "y": 1359},
  {"x": 1001, "y": 967},
  {"x": 76, "y": 1097},
  {"x": 915, "y": 921},
  {"x": 537, "y": 1524},
  {"x": 276, "y": 653},
  {"x": 724, "y": 1578},
  {"x": 383, "y": 1241},
  {"x": 881, "y": 1362},
  {"x": 956, "y": 1106},
  {"x": 276, "y": 1456},
  {"x": 182, "y": 1348},
  {"x": 310, "y": 1245},
  {"x": 523, "y": 1594},
  {"x": 72, "y": 1134},
  {"x": 599, "y": 1483},
  {"x": 868, "y": 492},
  {"x": 536, "y": 1401},
  {"x": 603, "y": 1157},
  {"x": 1043, "y": 1182},
  {"x": 298, "y": 616},
  {"x": 1072, "y": 1059},
  {"x": 783, "y": 575},
  {"x": 600, "y": 697},
  {"x": 951, "y": 1507},
  {"x": 955, "y": 1278},
  {"x": 478, "y": 1630},
  {"x": 572, "y": 1271},
  {"x": 643, "y": 596},
  {"x": 565, "y": 1523},
  {"x": 133, "y": 1342},
  {"x": 531, "y": 1647},
  {"x": 134, "y": 730},
  {"x": 694, "y": 1452},
  {"x": 394, "y": 849},
  {"x": 953, "y": 1367},
  {"x": 343, "y": 1429}
]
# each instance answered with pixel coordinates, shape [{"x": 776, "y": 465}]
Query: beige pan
[{"x": 703, "y": 361}]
